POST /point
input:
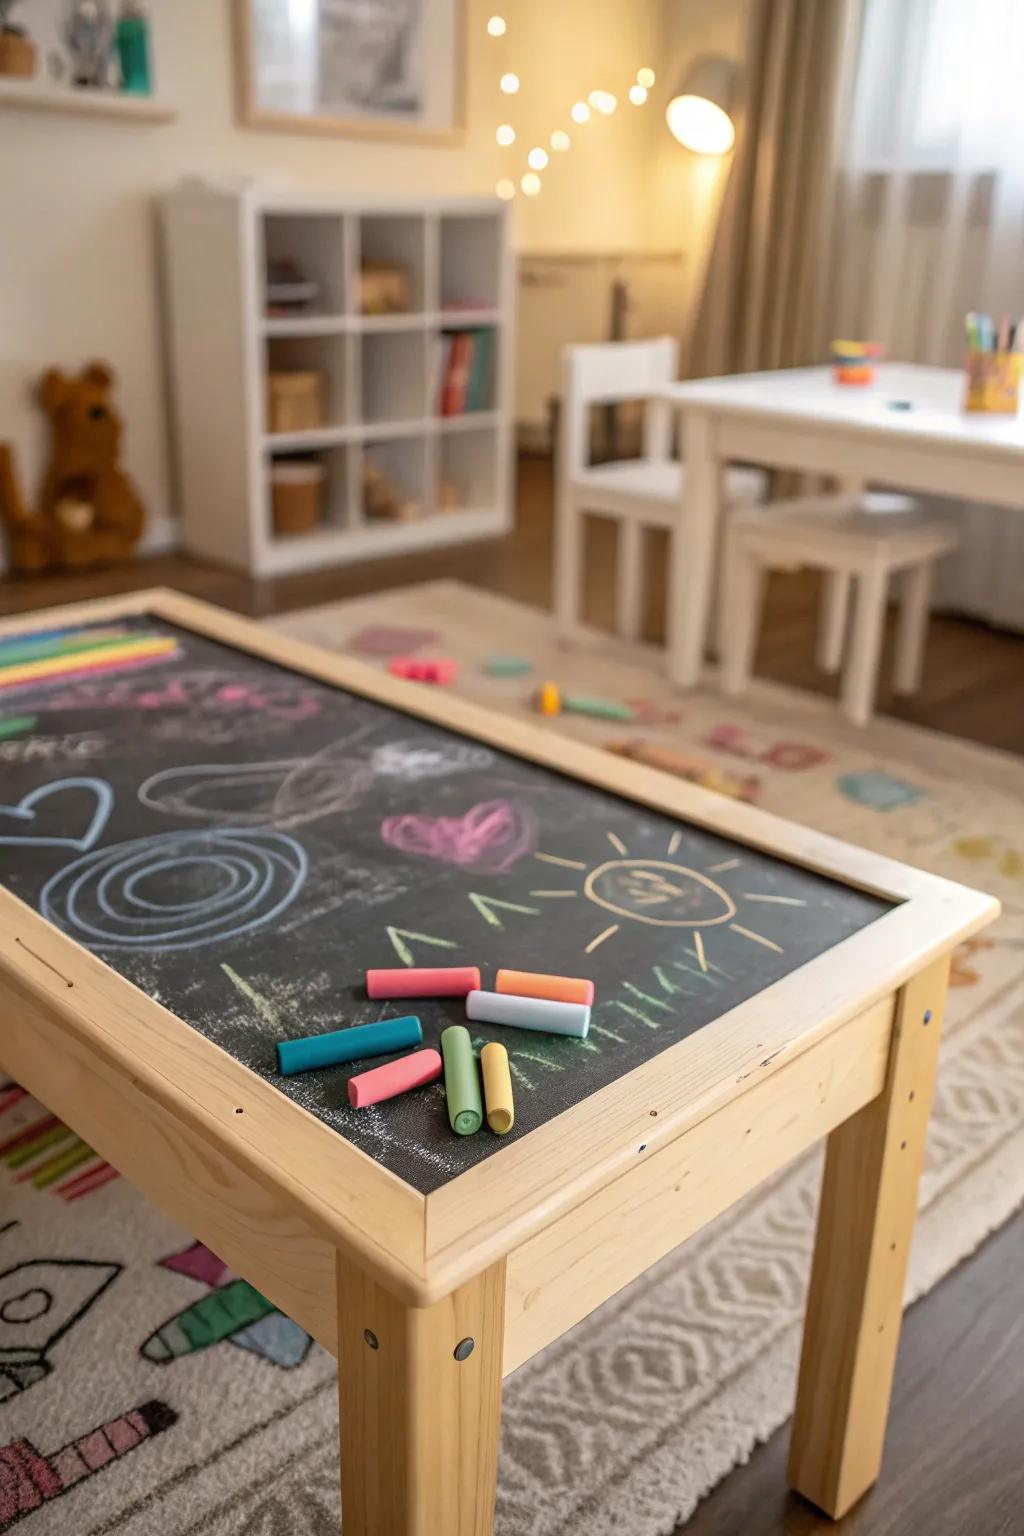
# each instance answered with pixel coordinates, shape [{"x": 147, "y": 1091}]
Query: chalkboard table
[{"x": 209, "y": 833}]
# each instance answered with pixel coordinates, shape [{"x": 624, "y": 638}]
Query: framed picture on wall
[{"x": 376, "y": 68}]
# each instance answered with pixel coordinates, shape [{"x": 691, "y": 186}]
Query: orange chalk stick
[{"x": 557, "y": 989}]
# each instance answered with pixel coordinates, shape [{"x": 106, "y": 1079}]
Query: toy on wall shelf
[
  {"x": 17, "y": 50},
  {"x": 385, "y": 498},
  {"x": 383, "y": 288},
  {"x": 89, "y": 512},
  {"x": 89, "y": 37}
]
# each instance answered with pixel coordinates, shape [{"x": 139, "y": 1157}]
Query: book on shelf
[{"x": 464, "y": 371}]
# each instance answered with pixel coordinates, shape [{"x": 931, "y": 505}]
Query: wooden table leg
[
  {"x": 855, "y": 1306},
  {"x": 420, "y": 1400},
  {"x": 692, "y": 553}
]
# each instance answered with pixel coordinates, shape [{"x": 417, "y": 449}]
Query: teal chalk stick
[
  {"x": 348, "y": 1044},
  {"x": 529, "y": 1013},
  {"x": 461, "y": 1081}
]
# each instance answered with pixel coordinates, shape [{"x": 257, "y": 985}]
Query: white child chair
[
  {"x": 861, "y": 539},
  {"x": 638, "y": 493}
]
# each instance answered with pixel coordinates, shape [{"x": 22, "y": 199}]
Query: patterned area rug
[{"x": 146, "y": 1391}]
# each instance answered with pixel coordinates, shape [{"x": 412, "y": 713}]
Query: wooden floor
[{"x": 954, "y": 1463}]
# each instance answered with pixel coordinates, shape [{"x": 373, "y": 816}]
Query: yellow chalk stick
[{"x": 501, "y": 1112}]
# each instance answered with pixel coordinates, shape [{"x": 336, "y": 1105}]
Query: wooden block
[
  {"x": 419, "y": 1424},
  {"x": 866, "y": 1220}
]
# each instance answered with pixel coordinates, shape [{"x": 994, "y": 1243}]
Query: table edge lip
[{"x": 901, "y": 430}]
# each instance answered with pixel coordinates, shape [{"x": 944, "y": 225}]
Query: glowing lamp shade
[{"x": 699, "y": 113}]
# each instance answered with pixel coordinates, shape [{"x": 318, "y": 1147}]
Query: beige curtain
[{"x": 765, "y": 297}]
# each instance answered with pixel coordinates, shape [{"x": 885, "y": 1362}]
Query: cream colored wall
[{"x": 78, "y": 264}]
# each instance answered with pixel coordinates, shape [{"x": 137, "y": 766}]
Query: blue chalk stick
[
  {"x": 529, "y": 1013},
  {"x": 348, "y": 1044}
]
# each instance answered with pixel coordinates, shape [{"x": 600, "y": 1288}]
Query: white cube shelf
[{"x": 382, "y": 390}]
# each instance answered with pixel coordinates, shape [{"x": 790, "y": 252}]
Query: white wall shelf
[
  {"x": 31, "y": 96},
  {"x": 381, "y": 372}
]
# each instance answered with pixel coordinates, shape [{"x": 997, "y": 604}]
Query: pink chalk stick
[
  {"x": 420, "y": 670},
  {"x": 444, "y": 981},
  {"x": 393, "y": 1078}
]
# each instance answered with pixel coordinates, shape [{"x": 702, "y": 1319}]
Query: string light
[
  {"x": 538, "y": 159},
  {"x": 496, "y": 26}
]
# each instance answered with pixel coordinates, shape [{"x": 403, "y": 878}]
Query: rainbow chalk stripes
[{"x": 57, "y": 656}]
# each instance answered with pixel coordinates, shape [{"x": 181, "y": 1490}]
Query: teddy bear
[{"x": 89, "y": 512}]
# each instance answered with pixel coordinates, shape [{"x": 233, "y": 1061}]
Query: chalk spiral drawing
[
  {"x": 490, "y": 838},
  {"x": 20, "y": 824},
  {"x": 287, "y": 793},
  {"x": 177, "y": 890},
  {"x": 412, "y": 761}
]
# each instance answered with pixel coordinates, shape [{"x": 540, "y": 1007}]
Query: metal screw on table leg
[
  {"x": 371, "y": 1338},
  {"x": 464, "y": 1349}
]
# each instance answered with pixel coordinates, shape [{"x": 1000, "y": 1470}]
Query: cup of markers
[{"x": 995, "y": 356}]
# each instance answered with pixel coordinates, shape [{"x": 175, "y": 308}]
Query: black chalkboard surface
[{"x": 243, "y": 842}]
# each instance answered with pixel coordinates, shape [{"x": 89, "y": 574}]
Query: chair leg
[
  {"x": 860, "y": 677},
  {"x": 912, "y": 632},
  {"x": 835, "y": 604},
  {"x": 742, "y": 595},
  {"x": 568, "y": 565},
  {"x": 629, "y": 579}
]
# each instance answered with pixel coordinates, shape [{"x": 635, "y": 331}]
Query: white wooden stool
[{"x": 841, "y": 536}]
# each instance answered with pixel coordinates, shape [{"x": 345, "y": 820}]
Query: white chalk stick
[{"x": 529, "y": 1013}]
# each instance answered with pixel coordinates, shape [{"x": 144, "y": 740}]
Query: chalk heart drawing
[
  {"x": 178, "y": 890},
  {"x": 660, "y": 893},
  {"x": 286, "y": 793},
  {"x": 490, "y": 837},
  {"x": 23, "y": 823}
]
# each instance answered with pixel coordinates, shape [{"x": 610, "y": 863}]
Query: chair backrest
[{"x": 607, "y": 373}]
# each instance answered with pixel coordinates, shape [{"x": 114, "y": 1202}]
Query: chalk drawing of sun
[{"x": 662, "y": 893}]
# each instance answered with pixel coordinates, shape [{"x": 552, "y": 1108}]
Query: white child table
[{"x": 907, "y": 429}]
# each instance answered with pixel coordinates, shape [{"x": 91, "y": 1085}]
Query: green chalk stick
[
  {"x": 508, "y": 666},
  {"x": 603, "y": 709},
  {"x": 16, "y": 726},
  {"x": 461, "y": 1081}
]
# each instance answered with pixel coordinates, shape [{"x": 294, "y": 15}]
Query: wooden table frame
[
  {"x": 512, "y": 1253},
  {"x": 976, "y": 458}
]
